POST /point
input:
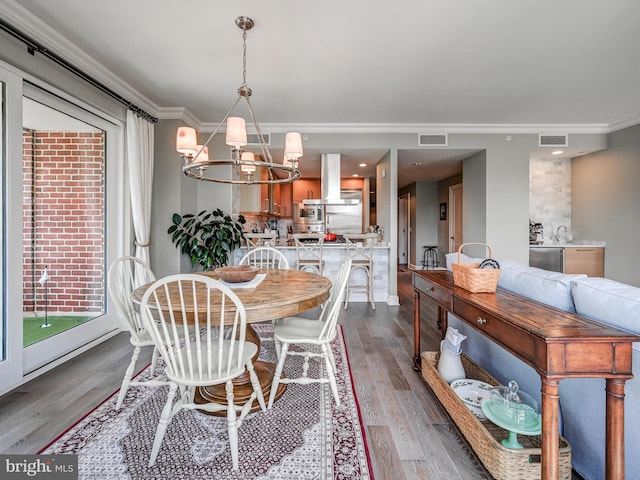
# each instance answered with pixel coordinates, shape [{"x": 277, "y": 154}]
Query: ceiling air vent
[
  {"x": 553, "y": 141},
  {"x": 433, "y": 140},
  {"x": 252, "y": 138}
]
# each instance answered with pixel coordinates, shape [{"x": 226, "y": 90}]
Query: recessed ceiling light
[
  {"x": 355, "y": 175},
  {"x": 557, "y": 152},
  {"x": 362, "y": 165},
  {"x": 417, "y": 164}
]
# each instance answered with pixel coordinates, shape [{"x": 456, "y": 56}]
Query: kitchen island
[{"x": 333, "y": 254}]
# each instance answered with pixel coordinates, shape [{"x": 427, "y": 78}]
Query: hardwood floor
[{"x": 410, "y": 435}]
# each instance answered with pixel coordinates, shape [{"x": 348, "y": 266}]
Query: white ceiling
[{"x": 377, "y": 65}]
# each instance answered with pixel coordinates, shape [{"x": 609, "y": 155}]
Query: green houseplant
[{"x": 208, "y": 237}]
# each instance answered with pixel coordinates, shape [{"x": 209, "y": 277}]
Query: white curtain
[{"x": 140, "y": 161}]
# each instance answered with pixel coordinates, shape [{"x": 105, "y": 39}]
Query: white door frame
[
  {"x": 455, "y": 217},
  {"x": 11, "y": 360},
  {"x": 404, "y": 228}
]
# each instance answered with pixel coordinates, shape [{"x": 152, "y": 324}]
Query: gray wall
[
  {"x": 474, "y": 203},
  {"x": 423, "y": 216},
  {"x": 427, "y": 215},
  {"x": 605, "y": 201},
  {"x": 169, "y": 196},
  {"x": 496, "y": 192},
  {"x": 174, "y": 192},
  {"x": 387, "y": 214}
]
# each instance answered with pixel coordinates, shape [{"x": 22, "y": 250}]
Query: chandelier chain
[{"x": 244, "y": 57}]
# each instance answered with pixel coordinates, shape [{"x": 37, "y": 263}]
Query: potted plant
[{"x": 208, "y": 237}]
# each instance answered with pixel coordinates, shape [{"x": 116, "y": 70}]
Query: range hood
[{"x": 330, "y": 183}]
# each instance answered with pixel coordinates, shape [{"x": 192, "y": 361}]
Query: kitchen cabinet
[
  {"x": 271, "y": 199},
  {"x": 588, "y": 260},
  {"x": 305, "y": 189},
  {"x": 285, "y": 202}
]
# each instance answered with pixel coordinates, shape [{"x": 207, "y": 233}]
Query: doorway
[
  {"x": 455, "y": 217},
  {"x": 404, "y": 229}
]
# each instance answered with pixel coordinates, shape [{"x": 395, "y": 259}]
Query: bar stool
[
  {"x": 430, "y": 257},
  {"x": 360, "y": 250},
  {"x": 309, "y": 251},
  {"x": 260, "y": 240}
]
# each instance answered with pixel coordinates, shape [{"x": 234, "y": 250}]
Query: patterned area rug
[{"x": 304, "y": 436}]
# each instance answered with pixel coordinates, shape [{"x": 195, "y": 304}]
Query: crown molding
[
  {"x": 41, "y": 32},
  {"x": 624, "y": 124},
  {"x": 180, "y": 113},
  {"x": 412, "y": 128}
]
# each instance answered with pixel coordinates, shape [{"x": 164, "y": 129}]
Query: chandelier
[{"x": 248, "y": 169}]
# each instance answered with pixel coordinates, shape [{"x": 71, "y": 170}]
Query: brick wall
[{"x": 63, "y": 220}]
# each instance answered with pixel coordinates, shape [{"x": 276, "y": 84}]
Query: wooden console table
[{"x": 557, "y": 344}]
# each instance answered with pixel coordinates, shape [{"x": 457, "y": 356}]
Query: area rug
[{"x": 304, "y": 435}]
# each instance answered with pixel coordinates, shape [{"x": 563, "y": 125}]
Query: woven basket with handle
[
  {"x": 472, "y": 278},
  {"x": 484, "y": 436}
]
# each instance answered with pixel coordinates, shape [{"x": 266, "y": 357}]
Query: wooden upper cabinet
[
  {"x": 265, "y": 192},
  {"x": 286, "y": 199},
  {"x": 352, "y": 183},
  {"x": 306, "y": 188},
  {"x": 588, "y": 260}
]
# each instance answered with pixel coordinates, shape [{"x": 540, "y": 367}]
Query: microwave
[{"x": 309, "y": 213}]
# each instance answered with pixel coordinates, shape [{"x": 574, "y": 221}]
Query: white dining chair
[
  {"x": 314, "y": 338},
  {"x": 125, "y": 275},
  {"x": 217, "y": 355},
  {"x": 265, "y": 258}
]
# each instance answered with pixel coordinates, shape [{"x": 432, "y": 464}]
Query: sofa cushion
[
  {"x": 506, "y": 264},
  {"x": 608, "y": 301},
  {"x": 550, "y": 288}
]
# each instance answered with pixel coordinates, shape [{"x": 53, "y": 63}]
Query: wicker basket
[
  {"x": 484, "y": 436},
  {"x": 472, "y": 278}
]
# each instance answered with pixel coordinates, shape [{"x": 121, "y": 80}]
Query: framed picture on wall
[{"x": 443, "y": 211}]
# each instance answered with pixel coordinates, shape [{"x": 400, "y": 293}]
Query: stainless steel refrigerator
[{"x": 343, "y": 219}]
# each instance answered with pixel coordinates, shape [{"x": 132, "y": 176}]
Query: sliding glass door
[
  {"x": 64, "y": 206},
  {"x": 64, "y": 224}
]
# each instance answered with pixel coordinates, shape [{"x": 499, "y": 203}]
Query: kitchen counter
[
  {"x": 582, "y": 243},
  {"x": 333, "y": 254},
  {"x": 286, "y": 244}
]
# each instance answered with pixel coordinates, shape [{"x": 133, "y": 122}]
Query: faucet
[{"x": 558, "y": 236}]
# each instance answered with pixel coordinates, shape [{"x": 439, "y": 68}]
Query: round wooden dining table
[{"x": 282, "y": 293}]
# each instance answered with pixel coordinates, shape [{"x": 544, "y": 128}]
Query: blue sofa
[{"x": 582, "y": 401}]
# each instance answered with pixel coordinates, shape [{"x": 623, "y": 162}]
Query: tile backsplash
[{"x": 550, "y": 193}]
